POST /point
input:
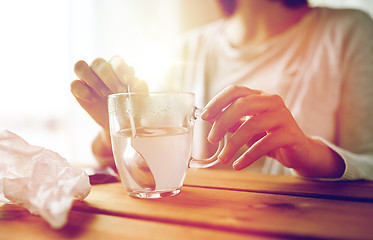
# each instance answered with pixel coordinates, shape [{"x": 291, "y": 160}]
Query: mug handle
[{"x": 213, "y": 160}]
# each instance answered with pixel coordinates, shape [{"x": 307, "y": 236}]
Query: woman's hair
[{"x": 229, "y": 6}]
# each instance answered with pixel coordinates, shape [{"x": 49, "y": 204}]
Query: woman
[{"x": 299, "y": 85}]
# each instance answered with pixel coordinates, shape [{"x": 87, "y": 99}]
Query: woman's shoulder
[
  {"x": 345, "y": 18},
  {"x": 345, "y": 28}
]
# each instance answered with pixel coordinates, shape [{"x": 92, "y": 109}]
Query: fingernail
[
  {"x": 204, "y": 114},
  {"x": 212, "y": 138},
  {"x": 79, "y": 67},
  {"x": 236, "y": 165}
]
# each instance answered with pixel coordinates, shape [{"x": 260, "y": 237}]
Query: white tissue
[{"x": 39, "y": 179}]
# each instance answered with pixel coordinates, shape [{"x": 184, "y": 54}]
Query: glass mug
[{"x": 151, "y": 135}]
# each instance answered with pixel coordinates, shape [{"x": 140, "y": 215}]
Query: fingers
[
  {"x": 250, "y": 105},
  {"x": 82, "y": 91},
  {"x": 255, "y": 139},
  {"x": 262, "y": 147},
  {"x": 101, "y": 79},
  {"x": 106, "y": 73},
  {"x": 85, "y": 73},
  {"x": 105, "y": 78},
  {"x": 237, "y": 125},
  {"x": 126, "y": 74},
  {"x": 224, "y": 99},
  {"x": 259, "y": 120},
  {"x": 251, "y": 131}
]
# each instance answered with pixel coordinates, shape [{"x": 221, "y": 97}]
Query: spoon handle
[{"x": 130, "y": 112}]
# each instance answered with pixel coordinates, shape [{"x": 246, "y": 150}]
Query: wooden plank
[
  {"x": 280, "y": 184},
  {"x": 241, "y": 212},
  {"x": 16, "y": 223}
]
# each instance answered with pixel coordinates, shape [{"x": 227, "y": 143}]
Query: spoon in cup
[{"x": 133, "y": 160}]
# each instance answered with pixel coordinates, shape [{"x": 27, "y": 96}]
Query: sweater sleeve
[{"x": 354, "y": 139}]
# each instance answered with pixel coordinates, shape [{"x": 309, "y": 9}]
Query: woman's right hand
[
  {"x": 98, "y": 81},
  {"x": 95, "y": 83}
]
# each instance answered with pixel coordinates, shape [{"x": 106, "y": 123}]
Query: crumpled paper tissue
[{"x": 39, "y": 179}]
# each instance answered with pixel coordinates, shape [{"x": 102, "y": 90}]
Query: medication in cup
[{"x": 163, "y": 126}]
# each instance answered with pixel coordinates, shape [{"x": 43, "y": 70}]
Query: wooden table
[{"x": 213, "y": 204}]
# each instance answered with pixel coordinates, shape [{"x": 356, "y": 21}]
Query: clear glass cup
[{"x": 152, "y": 135}]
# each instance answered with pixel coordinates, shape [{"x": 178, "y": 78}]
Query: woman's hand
[
  {"x": 98, "y": 81},
  {"x": 95, "y": 83},
  {"x": 263, "y": 123}
]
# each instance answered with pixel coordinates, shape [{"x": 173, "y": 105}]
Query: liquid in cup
[
  {"x": 167, "y": 153},
  {"x": 159, "y": 126}
]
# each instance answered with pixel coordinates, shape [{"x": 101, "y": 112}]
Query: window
[{"x": 42, "y": 39}]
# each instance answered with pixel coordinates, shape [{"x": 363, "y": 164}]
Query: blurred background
[{"x": 41, "y": 40}]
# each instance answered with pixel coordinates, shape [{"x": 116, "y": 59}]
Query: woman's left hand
[{"x": 263, "y": 123}]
